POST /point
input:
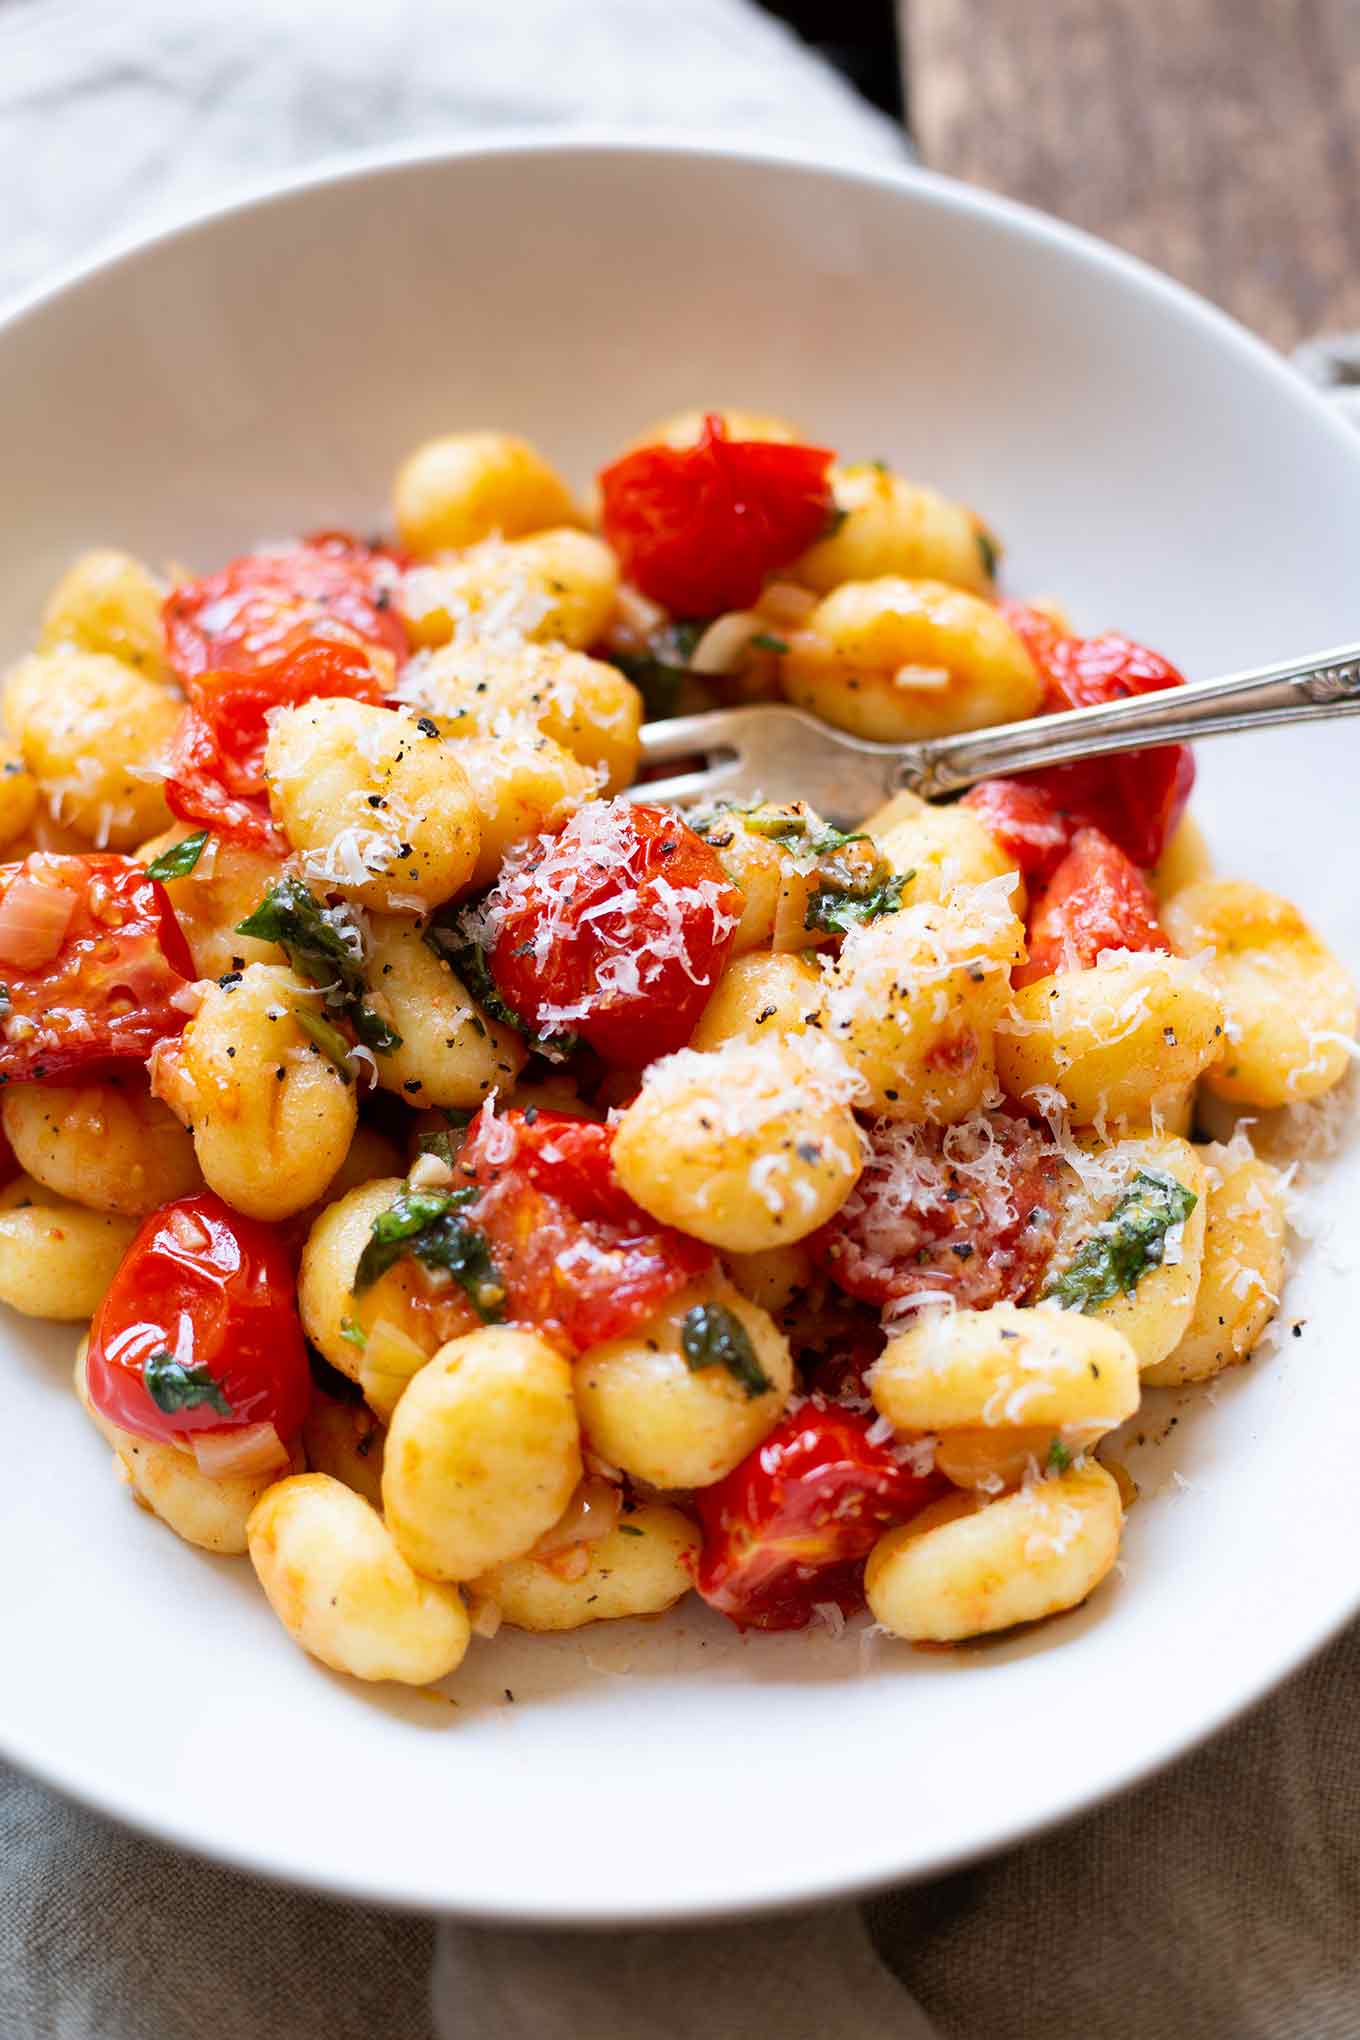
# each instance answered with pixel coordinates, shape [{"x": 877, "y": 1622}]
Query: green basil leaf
[
  {"x": 766, "y": 641},
  {"x": 320, "y": 944},
  {"x": 353, "y": 1334},
  {"x": 447, "y": 935},
  {"x": 835, "y": 909},
  {"x": 988, "y": 550},
  {"x": 1126, "y": 1244},
  {"x": 179, "y": 860},
  {"x": 1059, "y": 1458},
  {"x": 713, "y": 1336},
  {"x": 174, "y": 1387},
  {"x": 327, "y": 1037},
  {"x": 429, "y": 1225}
]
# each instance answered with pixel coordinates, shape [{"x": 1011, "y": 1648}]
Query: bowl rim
[{"x": 799, "y": 1889}]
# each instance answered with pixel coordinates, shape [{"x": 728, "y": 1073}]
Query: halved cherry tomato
[
  {"x": 115, "y": 961},
  {"x": 792, "y": 1525},
  {"x": 577, "y": 1258},
  {"x": 616, "y": 929},
  {"x": 261, "y": 607},
  {"x": 967, "y": 1211},
  {"x": 1096, "y": 899},
  {"x": 1137, "y": 799},
  {"x": 1024, "y": 821},
  {"x": 698, "y": 528},
  {"x": 216, "y": 774},
  {"x": 199, "y": 1329}
]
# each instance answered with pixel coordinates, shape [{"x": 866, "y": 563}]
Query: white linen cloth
[{"x": 1220, "y": 1902}]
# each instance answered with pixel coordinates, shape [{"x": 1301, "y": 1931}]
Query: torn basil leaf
[
  {"x": 835, "y": 909},
  {"x": 430, "y": 1226},
  {"x": 1125, "y": 1245},
  {"x": 328, "y": 1039},
  {"x": 173, "y": 1387},
  {"x": 1059, "y": 1458},
  {"x": 447, "y": 935},
  {"x": 179, "y": 860},
  {"x": 713, "y": 1336},
  {"x": 322, "y": 944},
  {"x": 662, "y": 673},
  {"x": 989, "y": 551}
]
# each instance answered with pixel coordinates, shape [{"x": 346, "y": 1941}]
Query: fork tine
[{"x": 689, "y": 736}]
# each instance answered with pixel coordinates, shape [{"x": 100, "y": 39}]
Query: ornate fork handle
[{"x": 1294, "y": 691}]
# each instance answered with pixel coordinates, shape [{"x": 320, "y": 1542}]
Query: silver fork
[{"x": 779, "y": 754}]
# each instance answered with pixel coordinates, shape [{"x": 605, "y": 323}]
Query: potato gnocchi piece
[
  {"x": 166, "y": 1481},
  {"x": 959, "y": 1569},
  {"x": 225, "y": 886},
  {"x": 749, "y": 1145},
  {"x": 109, "y": 1146},
  {"x": 557, "y": 588},
  {"x": 483, "y": 1453},
  {"x": 109, "y": 602},
  {"x": 18, "y": 797},
  {"x": 1186, "y": 859},
  {"x": 772, "y": 1277},
  {"x": 1289, "y": 1008},
  {"x": 583, "y": 704},
  {"x": 466, "y": 486},
  {"x": 641, "y": 1567},
  {"x": 1241, "y": 1273},
  {"x": 333, "y": 1575},
  {"x": 646, "y": 1409},
  {"x": 758, "y": 998},
  {"x": 895, "y": 660},
  {"x": 379, "y": 1336},
  {"x": 522, "y": 782},
  {"x": 1121, "y": 1042},
  {"x": 451, "y": 1052},
  {"x": 379, "y": 807},
  {"x": 1006, "y": 1368},
  {"x": 935, "y": 849},
  {"x": 914, "y": 999},
  {"x": 345, "y": 1440},
  {"x": 56, "y": 1260},
  {"x": 91, "y": 731},
  {"x": 890, "y": 526},
  {"x": 1156, "y": 1310},
  {"x": 271, "y": 1116}
]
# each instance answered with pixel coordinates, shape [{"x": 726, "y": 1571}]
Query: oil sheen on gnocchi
[{"x": 486, "y": 1198}]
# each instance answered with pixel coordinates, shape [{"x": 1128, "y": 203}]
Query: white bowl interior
[{"x": 263, "y": 372}]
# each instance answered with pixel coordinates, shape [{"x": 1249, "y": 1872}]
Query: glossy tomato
[
  {"x": 792, "y": 1525},
  {"x": 616, "y": 930},
  {"x": 575, "y": 1255},
  {"x": 199, "y": 1329},
  {"x": 698, "y": 528},
  {"x": 966, "y": 1211},
  {"x": 92, "y": 961},
  {"x": 1096, "y": 899},
  {"x": 262, "y": 607},
  {"x": 216, "y": 775},
  {"x": 1024, "y": 821},
  {"x": 1137, "y": 799}
]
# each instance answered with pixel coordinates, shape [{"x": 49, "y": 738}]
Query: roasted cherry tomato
[
  {"x": 264, "y": 606},
  {"x": 199, "y": 1329},
  {"x": 792, "y": 1525},
  {"x": 1024, "y": 821},
  {"x": 574, "y": 1253},
  {"x": 615, "y": 930},
  {"x": 1096, "y": 899},
  {"x": 92, "y": 961},
  {"x": 216, "y": 778},
  {"x": 966, "y": 1212},
  {"x": 698, "y": 528},
  {"x": 1138, "y": 799}
]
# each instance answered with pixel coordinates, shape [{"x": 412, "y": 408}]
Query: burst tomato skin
[
  {"x": 792, "y": 1525},
  {"x": 214, "y": 1290},
  {"x": 969, "y": 1211},
  {"x": 216, "y": 773},
  {"x": 1096, "y": 899},
  {"x": 106, "y": 997},
  {"x": 616, "y": 929},
  {"x": 1022, "y": 818},
  {"x": 1136, "y": 799},
  {"x": 578, "y": 1259},
  {"x": 698, "y": 528},
  {"x": 265, "y": 605}
]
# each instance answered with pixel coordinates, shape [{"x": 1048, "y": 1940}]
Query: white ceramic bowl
[{"x": 262, "y": 371}]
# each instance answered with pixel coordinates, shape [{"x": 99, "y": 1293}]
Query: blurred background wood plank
[{"x": 1217, "y": 138}]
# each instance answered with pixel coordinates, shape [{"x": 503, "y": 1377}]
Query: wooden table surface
[{"x": 1220, "y": 139}]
